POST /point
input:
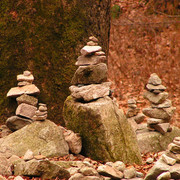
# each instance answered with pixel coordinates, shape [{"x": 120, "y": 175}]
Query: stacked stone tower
[
  {"x": 25, "y": 95},
  {"x": 89, "y": 81},
  {"x": 161, "y": 109}
]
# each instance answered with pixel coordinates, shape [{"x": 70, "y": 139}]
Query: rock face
[
  {"x": 161, "y": 107},
  {"x": 106, "y": 134},
  {"x": 43, "y": 138}
]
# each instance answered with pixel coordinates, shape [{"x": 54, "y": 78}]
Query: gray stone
[
  {"x": 110, "y": 137},
  {"x": 168, "y": 160},
  {"x": 92, "y": 38},
  {"x": 132, "y": 112},
  {"x": 14, "y": 159},
  {"x": 23, "y": 83},
  {"x": 42, "y": 108},
  {"x": 161, "y": 127},
  {"x": 26, "y": 73},
  {"x": 74, "y": 141},
  {"x": 156, "y": 98},
  {"x": 28, "y": 155},
  {"x": 87, "y": 50},
  {"x": 88, "y": 171},
  {"x": 27, "y": 100},
  {"x": 92, "y": 74},
  {"x": 18, "y": 91},
  {"x": 90, "y": 92},
  {"x": 15, "y": 122},
  {"x": 129, "y": 173},
  {"x": 119, "y": 165},
  {"x": 109, "y": 171},
  {"x": 166, "y": 104},
  {"x": 44, "y": 169},
  {"x": 174, "y": 148},
  {"x": 154, "y": 141},
  {"x": 139, "y": 118},
  {"x": 151, "y": 87},
  {"x": 170, "y": 111},
  {"x": 154, "y": 79},
  {"x": 22, "y": 77},
  {"x": 26, "y": 110},
  {"x": 156, "y": 113},
  {"x": 39, "y": 118},
  {"x": 173, "y": 155},
  {"x": 154, "y": 121},
  {"x": 90, "y": 60},
  {"x": 164, "y": 176},
  {"x": 43, "y": 138},
  {"x": 91, "y": 43},
  {"x": 149, "y": 160}
]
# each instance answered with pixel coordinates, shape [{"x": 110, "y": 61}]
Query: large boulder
[
  {"x": 152, "y": 141},
  {"x": 105, "y": 131},
  {"x": 44, "y": 138}
]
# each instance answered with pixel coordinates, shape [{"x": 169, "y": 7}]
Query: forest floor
[{"x": 144, "y": 39}]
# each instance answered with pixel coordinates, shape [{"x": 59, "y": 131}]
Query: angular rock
[
  {"x": 109, "y": 171},
  {"x": 92, "y": 38},
  {"x": 22, "y": 77},
  {"x": 170, "y": 111},
  {"x": 168, "y": 160},
  {"x": 132, "y": 112},
  {"x": 15, "y": 122},
  {"x": 156, "y": 113},
  {"x": 28, "y": 155},
  {"x": 149, "y": 141},
  {"x": 39, "y": 118},
  {"x": 26, "y": 110},
  {"x": 5, "y": 131},
  {"x": 164, "y": 176},
  {"x": 14, "y": 158},
  {"x": 156, "y": 98},
  {"x": 151, "y": 87},
  {"x": 90, "y": 92},
  {"x": 92, "y": 74},
  {"x": 119, "y": 165},
  {"x": 18, "y": 91},
  {"x": 133, "y": 123},
  {"x": 99, "y": 53},
  {"x": 154, "y": 121},
  {"x": 109, "y": 137},
  {"x": 23, "y": 83},
  {"x": 87, "y": 50},
  {"x": 41, "y": 137},
  {"x": 88, "y": 171},
  {"x": 129, "y": 173},
  {"x": 91, "y": 43},
  {"x": 74, "y": 141},
  {"x": 161, "y": 127},
  {"x": 27, "y": 100},
  {"x": 139, "y": 118},
  {"x": 5, "y": 166},
  {"x": 44, "y": 169},
  {"x": 166, "y": 104},
  {"x": 149, "y": 160},
  {"x": 154, "y": 79},
  {"x": 174, "y": 148},
  {"x": 173, "y": 155},
  {"x": 90, "y": 60}
]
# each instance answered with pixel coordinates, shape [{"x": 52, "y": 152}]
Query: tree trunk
[{"x": 45, "y": 37}]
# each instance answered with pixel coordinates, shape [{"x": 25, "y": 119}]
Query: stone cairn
[
  {"x": 89, "y": 81},
  {"x": 133, "y": 115},
  {"x": 161, "y": 109},
  {"x": 168, "y": 165},
  {"x": 26, "y": 111}
]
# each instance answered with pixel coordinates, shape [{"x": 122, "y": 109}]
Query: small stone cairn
[
  {"x": 133, "y": 115},
  {"x": 168, "y": 166},
  {"x": 90, "y": 79},
  {"x": 27, "y": 103},
  {"x": 161, "y": 109},
  {"x": 41, "y": 113}
]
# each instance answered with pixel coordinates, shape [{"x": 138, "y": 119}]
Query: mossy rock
[{"x": 105, "y": 131}]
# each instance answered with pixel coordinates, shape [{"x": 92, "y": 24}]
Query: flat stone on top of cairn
[{"x": 161, "y": 109}]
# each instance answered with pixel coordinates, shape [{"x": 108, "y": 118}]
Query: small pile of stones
[
  {"x": 133, "y": 114},
  {"x": 41, "y": 113},
  {"x": 25, "y": 94},
  {"x": 161, "y": 109},
  {"x": 168, "y": 165},
  {"x": 90, "y": 79}
]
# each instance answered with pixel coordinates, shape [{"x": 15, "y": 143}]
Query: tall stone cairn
[
  {"x": 25, "y": 94},
  {"x": 161, "y": 110},
  {"x": 90, "y": 79}
]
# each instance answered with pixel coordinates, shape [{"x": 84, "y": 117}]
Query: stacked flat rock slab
[
  {"x": 27, "y": 104},
  {"x": 168, "y": 164},
  {"x": 133, "y": 115},
  {"x": 89, "y": 81},
  {"x": 41, "y": 113},
  {"x": 161, "y": 109}
]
